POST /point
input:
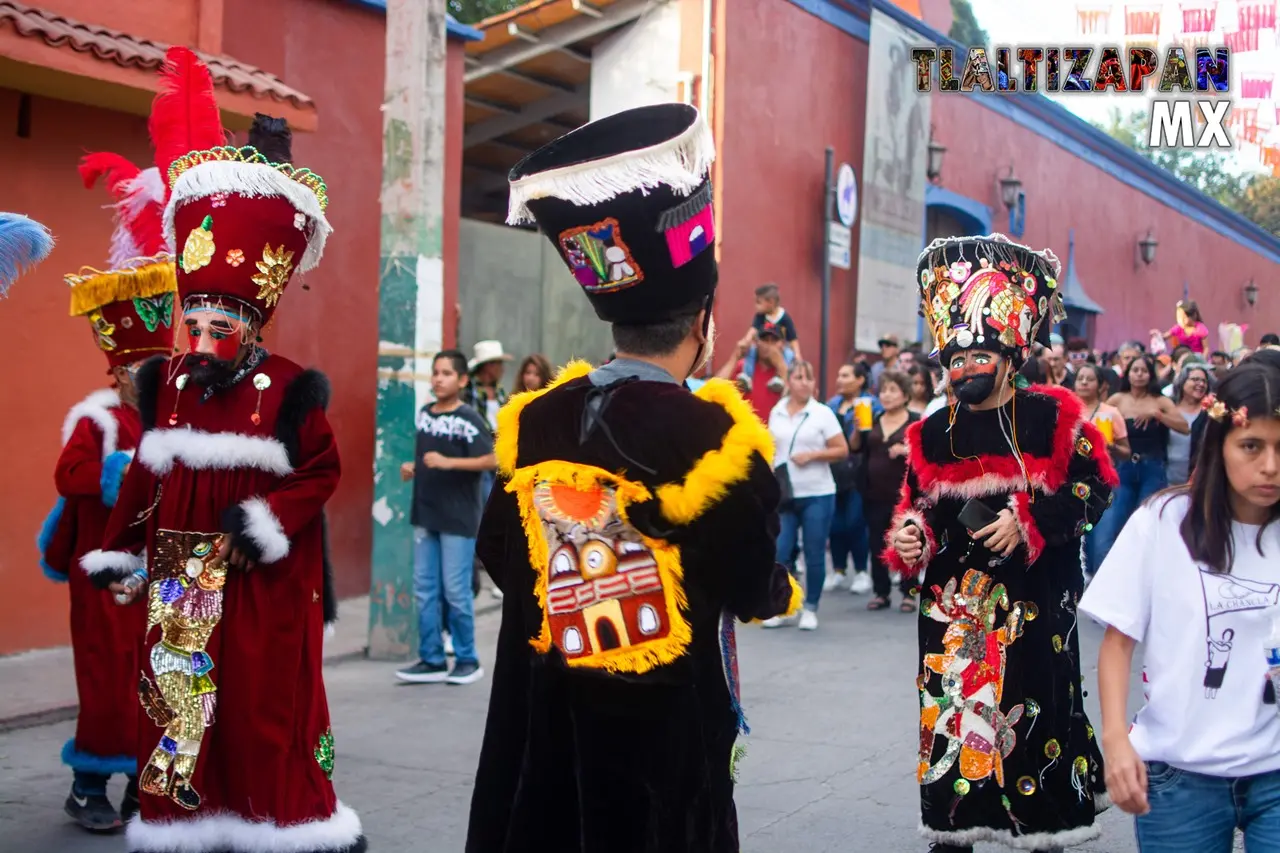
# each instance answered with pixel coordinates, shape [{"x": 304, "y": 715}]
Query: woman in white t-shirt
[
  {"x": 1195, "y": 577},
  {"x": 807, "y": 438}
]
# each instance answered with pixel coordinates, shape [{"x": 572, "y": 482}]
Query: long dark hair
[
  {"x": 539, "y": 361},
  {"x": 1206, "y": 529},
  {"x": 1153, "y": 382},
  {"x": 1191, "y": 309},
  {"x": 921, "y": 370}
]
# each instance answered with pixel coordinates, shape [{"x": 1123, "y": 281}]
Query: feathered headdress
[
  {"x": 23, "y": 244},
  {"x": 139, "y": 204},
  {"x": 184, "y": 114}
]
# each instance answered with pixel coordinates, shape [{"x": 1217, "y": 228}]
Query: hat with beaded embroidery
[
  {"x": 626, "y": 201},
  {"x": 988, "y": 293}
]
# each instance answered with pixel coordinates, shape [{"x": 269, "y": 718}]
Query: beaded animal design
[{"x": 967, "y": 714}]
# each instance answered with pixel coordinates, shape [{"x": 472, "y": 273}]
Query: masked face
[
  {"x": 215, "y": 339},
  {"x": 973, "y": 375}
]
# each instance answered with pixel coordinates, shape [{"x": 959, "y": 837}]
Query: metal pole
[
  {"x": 410, "y": 301},
  {"x": 828, "y": 194}
]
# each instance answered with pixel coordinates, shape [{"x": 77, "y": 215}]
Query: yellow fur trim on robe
[
  {"x": 91, "y": 291},
  {"x": 506, "y": 445},
  {"x": 712, "y": 475}
]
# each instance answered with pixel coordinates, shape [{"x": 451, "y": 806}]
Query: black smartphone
[{"x": 975, "y": 515}]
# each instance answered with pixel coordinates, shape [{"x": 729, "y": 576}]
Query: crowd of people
[{"x": 629, "y": 526}]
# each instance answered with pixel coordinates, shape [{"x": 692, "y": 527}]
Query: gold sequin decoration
[
  {"x": 1082, "y": 491},
  {"x": 1026, "y": 786},
  {"x": 1084, "y": 446},
  {"x": 1057, "y": 643},
  {"x": 1052, "y": 750},
  {"x": 961, "y": 786},
  {"x": 103, "y": 331},
  {"x": 1081, "y": 765},
  {"x": 273, "y": 274},
  {"x": 1031, "y": 610},
  {"x": 198, "y": 251}
]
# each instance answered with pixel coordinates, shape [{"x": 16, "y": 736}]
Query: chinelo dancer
[
  {"x": 1000, "y": 487},
  {"x": 631, "y": 524},
  {"x": 225, "y": 498},
  {"x": 130, "y": 311}
]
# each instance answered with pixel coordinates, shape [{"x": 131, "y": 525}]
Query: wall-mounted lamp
[
  {"x": 1251, "y": 293},
  {"x": 1009, "y": 189},
  {"x": 1146, "y": 253},
  {"x": 933, "y": 166}
]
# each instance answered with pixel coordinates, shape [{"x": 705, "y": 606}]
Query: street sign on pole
[
  {"x": 839, "y": 246},
  {"x": 846, "y": 195}
]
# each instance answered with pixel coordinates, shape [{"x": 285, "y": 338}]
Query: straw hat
[{"x": 486, "y": 351}]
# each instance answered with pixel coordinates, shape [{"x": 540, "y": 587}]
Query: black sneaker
[
  {"x": 465, "y": 673},
  {"x": 129, "y": 805},
  {"x": 423, "y": 673},
  {"x": 94, "y": 812}
]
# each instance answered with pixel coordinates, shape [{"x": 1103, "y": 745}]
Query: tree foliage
[
  {"x": 474, "y": 11},
  {"x": 1256, "y": 197},
  {"x": 965, "y": 27}
]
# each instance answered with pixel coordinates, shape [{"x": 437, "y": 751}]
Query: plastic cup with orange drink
[
  {"x": 1107, "y": 428},
  {"x": 862, "y": 413}
]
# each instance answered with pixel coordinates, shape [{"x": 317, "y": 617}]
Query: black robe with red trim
[
  {"x": 1006, "y": 751},
  {"x": 613, "y": 716}
]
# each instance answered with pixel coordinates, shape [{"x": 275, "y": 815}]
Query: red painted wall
[
  {"x": 453, "y": 123},
  {"x": 1065, "y": 191},
  {"x": 51, "y": 361},
  {"x": 792, "y": 86},
  {"x": 334, "y": 325}
]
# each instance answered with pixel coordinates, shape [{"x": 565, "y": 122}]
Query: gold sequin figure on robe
[{"x": 185, "y": 601}]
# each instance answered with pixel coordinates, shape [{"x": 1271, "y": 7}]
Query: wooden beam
[{"x": 533, "y": 113}]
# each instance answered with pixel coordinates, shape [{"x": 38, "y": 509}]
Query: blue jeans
[
  {"x": 849, "y": 532},
  {"x": 813, "y": 517},
  {"x": 749, "y": 361},
  {"x": 1193, "y": 813},
  {"x": 444, "y": 560},
  {"x": 1138, "y": 481}
]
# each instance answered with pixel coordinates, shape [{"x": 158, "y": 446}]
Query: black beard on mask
[
  {"x": 974, "y": 389},
  {"x": 208, "y": 371}
]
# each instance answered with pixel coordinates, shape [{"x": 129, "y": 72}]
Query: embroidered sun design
[
  {"x": 235, "y": 257},
  {"x": 273, "y": 273},
  {"x": 198, "y": 251}
]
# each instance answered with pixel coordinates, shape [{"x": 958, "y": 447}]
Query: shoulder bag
[{"x": 787, "y": 494}]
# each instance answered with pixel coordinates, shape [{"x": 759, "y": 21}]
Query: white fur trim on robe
[
  {"x": 225, "y": 831},
  {"x": 207, "y": 451},
  {"x": 266, "y": 531},
  {"x": 97, "y": 408},
  {"x": 110, "y": 561}
]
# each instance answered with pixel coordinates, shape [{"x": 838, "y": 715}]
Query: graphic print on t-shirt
[
  {"x": 1225, "y": 595},
  {"x": 449, "y": 426}
]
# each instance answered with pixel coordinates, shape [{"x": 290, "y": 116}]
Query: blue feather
[
  {"x": 46, "y": 536},
  {"x": 23, "y": 244},
  {"x": 113, "y": 476}
]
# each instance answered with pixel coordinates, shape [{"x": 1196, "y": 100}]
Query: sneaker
[
  {"x": 129, "y": 805},
  {"x": 808, "y": 620},
  {"x": 465, "y": 673},
  {"x": 861, "y": 583},
  {"x": 745, "y": 381},
  {"x": 93, "y": 812},
  {"x": 835, "y": 580},
  {"x": 775, "y": 622},
  {"x": 423, "y": 673},
  {"x": 448, "y": 644}
]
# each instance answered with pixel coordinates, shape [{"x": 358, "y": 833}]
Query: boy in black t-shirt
[
  {"x": 454, "y": 447},
  {"x": 771, "y": 319}
]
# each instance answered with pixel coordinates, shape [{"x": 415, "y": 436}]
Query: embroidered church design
[
  {"x": 979, "y": 736},
  {"x": 1225, "y": 595},
  {"x": 611, "y": 597},
  {"x": 689, "y": 227},
  {"x": 185, "y": 601},
  {"x": 598, "y": 258}
]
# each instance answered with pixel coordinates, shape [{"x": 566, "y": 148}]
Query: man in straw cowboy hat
[{"x": 632, "y": 524}]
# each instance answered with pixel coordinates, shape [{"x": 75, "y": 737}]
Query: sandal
[
  {"x": 908, "y": 605},
  {"x": 880, "y": 602}
]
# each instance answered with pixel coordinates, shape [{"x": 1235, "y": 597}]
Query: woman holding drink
[{"x": 1110, "y": 423}]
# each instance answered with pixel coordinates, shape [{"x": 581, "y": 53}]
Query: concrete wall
[
  {"x": 514, "y": 287},
  {"x": 638, "y": 66}
]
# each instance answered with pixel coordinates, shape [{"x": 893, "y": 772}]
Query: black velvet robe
[
  {"x": 581, "y": 758},
  {"x": 1006, "y": 751}
]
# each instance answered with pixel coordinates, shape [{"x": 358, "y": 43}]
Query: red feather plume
[
  {"x": 117, "y": 169},
  {"x": 184, "y": 115}
]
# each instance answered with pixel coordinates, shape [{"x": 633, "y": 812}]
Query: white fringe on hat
[
  {"x": 255, "y": 180},
  {"x": 681, "y": 163}
]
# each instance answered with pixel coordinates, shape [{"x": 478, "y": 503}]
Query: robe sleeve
[
  {"x": 907, "y": 512},
  {"x": 1057, "y": 518},
  {"x": 263, "y": 526},
  {"x": 500, "y": 529},
  {"x": 126, "y": 533},
  {"x": 80, "y": 465}
]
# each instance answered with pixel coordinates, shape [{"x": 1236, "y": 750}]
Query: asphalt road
[{"x": 830, "y": 763}]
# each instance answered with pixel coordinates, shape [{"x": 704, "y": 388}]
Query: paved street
[{"x": 830, "y": 763}]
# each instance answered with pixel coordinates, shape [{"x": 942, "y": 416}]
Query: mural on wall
[{"x": 893, "y": 222}]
